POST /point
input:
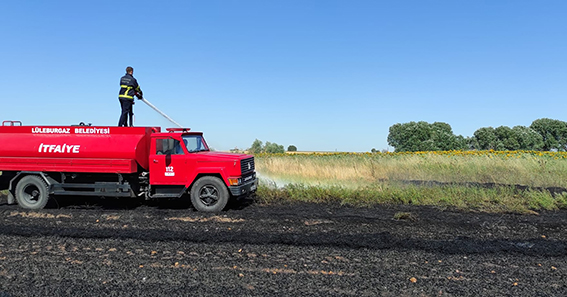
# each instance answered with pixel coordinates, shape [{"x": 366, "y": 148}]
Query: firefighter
[{"x": 128, "y": 89}]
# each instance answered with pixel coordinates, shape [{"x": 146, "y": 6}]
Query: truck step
[{"x": 165, "y": 195}]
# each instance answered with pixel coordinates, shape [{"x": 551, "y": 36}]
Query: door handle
[{"x": 155, "y": 161}]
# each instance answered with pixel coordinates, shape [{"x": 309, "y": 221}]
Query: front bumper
[{"x": 244, "y": 189}]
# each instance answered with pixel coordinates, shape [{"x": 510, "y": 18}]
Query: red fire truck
[{"x": 41, "y": 162}]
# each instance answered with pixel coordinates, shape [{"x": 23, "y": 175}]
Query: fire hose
[{"x": 160, "y": 112}]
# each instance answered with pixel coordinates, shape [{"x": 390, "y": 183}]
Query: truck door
[{"x": 167, "y": 162}]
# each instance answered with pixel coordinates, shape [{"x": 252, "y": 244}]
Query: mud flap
[{"x": 11, "y": 199}]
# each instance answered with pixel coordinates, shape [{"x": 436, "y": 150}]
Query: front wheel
[
  {"x": 31, "y": 192},
  {"x": 209, "y": 194}
]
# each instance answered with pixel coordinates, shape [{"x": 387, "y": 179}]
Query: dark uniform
[{"x": 128, "y": 89}]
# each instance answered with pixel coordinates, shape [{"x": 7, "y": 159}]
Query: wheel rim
[
  {"x": 209, "y": 195},
  {"x": 31, "y": 194}
]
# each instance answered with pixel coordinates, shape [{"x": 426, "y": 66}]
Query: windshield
[{"x": 195, "y": 143}]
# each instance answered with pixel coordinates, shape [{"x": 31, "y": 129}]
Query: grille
[{"x": 247, "y": 165}]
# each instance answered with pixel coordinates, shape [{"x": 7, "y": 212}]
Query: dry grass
[
  {"x": 510, "y": 168},
  {"x": 486, "y": 181}
]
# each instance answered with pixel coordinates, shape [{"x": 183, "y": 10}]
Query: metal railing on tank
[{"x": 11, "y": 123}]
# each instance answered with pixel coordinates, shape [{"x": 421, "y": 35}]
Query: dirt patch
[
  {"x": 38, "y": 215},
  {"x": 209, "y": 219}
]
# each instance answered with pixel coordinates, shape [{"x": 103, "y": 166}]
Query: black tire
[
  {"x": 209, "y": 194},
  {"x": 31, "y": 192}
]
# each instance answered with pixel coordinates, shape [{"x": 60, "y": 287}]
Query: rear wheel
[
  {"x": 209, "y": 194},
  {"x": 31, "y": 192}
]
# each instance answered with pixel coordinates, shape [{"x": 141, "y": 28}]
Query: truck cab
[{"x": 181, "y": 161}]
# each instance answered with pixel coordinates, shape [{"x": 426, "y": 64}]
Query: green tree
[
  {"x": 553, "y": 133},
  {"x": 257, "y": 147},
  {"x": 422, "y": 136},
  {"x": 470, "y": 143},
  {"x": 528, "y": 138},
  {"x": 444, "y": 139},
  {"x": 410, "y": 137},
  {"x": 273, "y": 148},
  {"x": 292, "y": 148},
  {"x": 506, "y": 138},
  {"x": 485, "y": 139}
]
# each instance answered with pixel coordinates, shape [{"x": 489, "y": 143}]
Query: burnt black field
[{"x": 114, "y": 248}]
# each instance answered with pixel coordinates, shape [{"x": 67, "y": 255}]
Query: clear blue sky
[{"x": 323, "y": 75}]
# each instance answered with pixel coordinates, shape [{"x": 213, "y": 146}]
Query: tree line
[
  {"x": 542, "y": 135},
  {"x": 271, "y": 148}
]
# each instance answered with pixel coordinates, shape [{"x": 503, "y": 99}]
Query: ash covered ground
[{"x": 112, "y": 248}]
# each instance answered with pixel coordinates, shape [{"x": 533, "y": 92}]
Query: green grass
[
  {"x": 404, "y": 216},
  {"x": 500, "y": 199}
]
